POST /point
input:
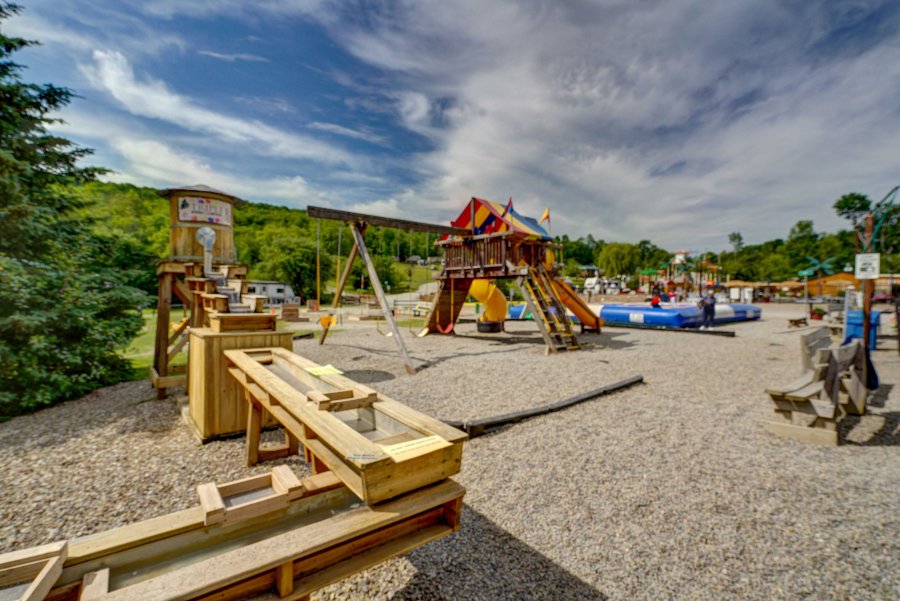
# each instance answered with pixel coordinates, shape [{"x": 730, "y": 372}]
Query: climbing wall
[{"x": 448, "y": 302}]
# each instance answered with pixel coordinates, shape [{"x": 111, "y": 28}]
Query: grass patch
[{"x": 140, "y": 351}]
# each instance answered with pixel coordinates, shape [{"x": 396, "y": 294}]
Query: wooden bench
[
  {"x": 812, "y": 344},
  {"x": 829, "y": 389},
  {"x": 422, "y": 309}
]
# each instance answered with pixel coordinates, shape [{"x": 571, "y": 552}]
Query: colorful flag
[
  {"x": 508, "y": 207},
  {"x": 545, "y": 216}
]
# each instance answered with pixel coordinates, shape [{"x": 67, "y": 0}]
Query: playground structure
[
  {"x": 487, "y": 242},
  {"x": 202, "y": 272},
  {"x": 499, "y": 243},
  {"x": 380, "y": 485}
]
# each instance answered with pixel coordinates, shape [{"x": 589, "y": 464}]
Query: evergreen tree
[{"x": 62, "y": 313}]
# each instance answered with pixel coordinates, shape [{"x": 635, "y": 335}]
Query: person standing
[{"x": 708, "y": 304}]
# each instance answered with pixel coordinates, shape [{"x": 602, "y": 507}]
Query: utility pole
[{"x": 868, "y": 285}]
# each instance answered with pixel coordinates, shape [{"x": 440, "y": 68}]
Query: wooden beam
[
  {"x": 163, "y": 307},
  {"x": 182, "y": 291},
  {"x": 379, "y": 293},
  {"x": 403, "y": 224}
]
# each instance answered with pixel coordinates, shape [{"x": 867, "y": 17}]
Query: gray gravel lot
[{"x": 668, "y": 490}]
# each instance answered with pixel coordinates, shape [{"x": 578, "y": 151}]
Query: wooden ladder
[{"x": 549, "y": 313}]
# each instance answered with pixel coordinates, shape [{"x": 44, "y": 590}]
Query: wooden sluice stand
[
  {"x": 383, "y": 489},
  {"x": 265, "y": 537},
  {"x": 377, "y": 446}
]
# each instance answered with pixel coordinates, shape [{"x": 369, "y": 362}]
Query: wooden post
[
  {"x": 336, "y": 301},
  {"x": 163, "y": 309},
  {"x": 379, "y": 293},
  {"x": 318, "y": 263}
]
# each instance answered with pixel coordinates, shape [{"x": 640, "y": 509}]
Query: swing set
[{"x": 358, "y": 222}]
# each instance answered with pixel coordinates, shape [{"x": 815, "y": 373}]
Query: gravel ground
[{"x": 670, "y": 489}]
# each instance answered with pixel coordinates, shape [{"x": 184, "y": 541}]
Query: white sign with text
[{"x": 868, "y": 266}]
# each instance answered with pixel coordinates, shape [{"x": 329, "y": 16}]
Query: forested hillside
[{"x": 277, "y": 243}]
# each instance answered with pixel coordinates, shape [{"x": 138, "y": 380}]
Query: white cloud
[
  {"x": 154, "y": 163},
  {"x": 678, "y": 122},
  {"x": 253, "y": 58},
  {"x": 153, "y": 99},
  {"x": 340, "y": 130}
]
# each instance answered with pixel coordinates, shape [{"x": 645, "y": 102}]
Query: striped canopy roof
[{"x": 492, "y": 218}]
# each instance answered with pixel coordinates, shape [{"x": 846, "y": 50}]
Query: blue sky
[{"x": 674, "y": 121}]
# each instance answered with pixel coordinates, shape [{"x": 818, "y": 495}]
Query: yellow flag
[{"x": 545, "y": 216}]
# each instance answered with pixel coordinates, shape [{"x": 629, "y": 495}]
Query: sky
[{"x": 677, "y": 121}]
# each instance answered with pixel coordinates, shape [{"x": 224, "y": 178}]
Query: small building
[
  {"x": 832, "y": 285},
  {"x": 276, "y": 293}
]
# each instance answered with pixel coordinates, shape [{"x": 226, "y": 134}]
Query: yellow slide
[
  {"x": 484, "y": 291},
  {"x": 589, "y": 320}
]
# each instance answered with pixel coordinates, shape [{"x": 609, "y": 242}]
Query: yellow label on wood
[
  {"x": 406, "y": 447},
  {"x": 324, "y": 370}
]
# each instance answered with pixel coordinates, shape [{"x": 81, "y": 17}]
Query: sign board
[
  {"x": 205, "y": 210},
  {"x": 805, "y": 273},
  {"x": 868, "y": 266}
]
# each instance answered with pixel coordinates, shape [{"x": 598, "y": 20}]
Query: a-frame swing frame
[{"x": 358, "y": 223}]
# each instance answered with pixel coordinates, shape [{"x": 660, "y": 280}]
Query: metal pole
[
  {"x": 379, "y": 293},
  {"x": 867, "y": 284}
]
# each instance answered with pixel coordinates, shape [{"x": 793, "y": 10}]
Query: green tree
[
  {"x": 618, "y": 258},
  {"x": 736, "y": 240},
  {"x": 852, "y": 206},
  {"x": 63, "y": 311}
]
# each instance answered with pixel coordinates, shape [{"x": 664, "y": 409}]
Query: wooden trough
[
  {"x": 378, "y": 447},
  {"x": 265, "y": 537}
]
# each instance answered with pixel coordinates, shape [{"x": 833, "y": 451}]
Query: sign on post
[
  {"x": 868, "y": 266},
  {"x": 805, "y": 273}
]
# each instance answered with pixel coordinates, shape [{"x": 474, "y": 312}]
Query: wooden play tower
[
  {"x": 182, "y": 276},
  {"x": 502, "y": 244}
]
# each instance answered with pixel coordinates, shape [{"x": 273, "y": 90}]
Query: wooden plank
[
  {"x": 94, "y": 585},
  {"x": 45, "y": 579},
  {"x": 31, "y": 554},
  {"x": 346, "y": 441},
  {"x": 255, "y": 509},
  {"x": 182, "y": 291},
  {"x": 379, "y": 293},
  {"x": 805, "y": 433},
  {"x": 350, "y": 478},
  {"x": 37, "y": 567},
  {"x": 163, "y": 308},
  {"x": 176, "y": 348},
  {"x": 155, "y": 540},
  {"x": 169, "y": 381},
  {"x": 233, "y": 566},
  {"x": 285, "y": 481},
  {"x": 805, "y": 393},
  {"x": 254, "y": 429},
  {"x": 403, "y": 224},
  {"x": 284, "y": 578},
  {"x": 212, "y": 503},
  {"x": 179, "y": 330},
  {"x": 385, "y": 482},
  {"x": 91, "y": 547}
]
